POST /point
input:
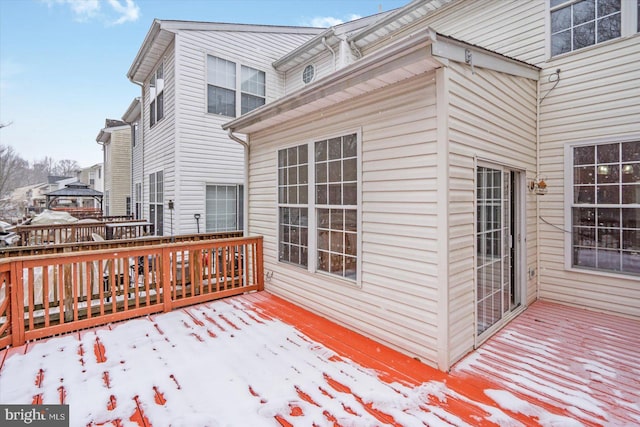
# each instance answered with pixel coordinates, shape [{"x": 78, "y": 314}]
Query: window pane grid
[
  {"x": 336, "y": 199},
  {"x": 292, "y": 200},
  {"x": 575, "y": 25},
  {"x": 606, "y": 207}
]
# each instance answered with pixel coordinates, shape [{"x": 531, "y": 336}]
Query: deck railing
[
  {"x": 45, "y": 295},
  {"x": 78, "y": 232}
]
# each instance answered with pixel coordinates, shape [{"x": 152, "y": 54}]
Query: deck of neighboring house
[{"x": 256, "y": 359}]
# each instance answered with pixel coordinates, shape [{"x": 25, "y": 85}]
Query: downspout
[
  {"x": 537, "y": 197},
  {"x": 355, "y": 49},
  {"x": 245, "y": 202},
  {"x": 333, "y": 53}
]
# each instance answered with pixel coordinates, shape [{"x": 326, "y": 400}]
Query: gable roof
[
  {"x": 410, "y": 56},
  {"x": 361, "y": 32},
  {"x": 162, "y": 33}
]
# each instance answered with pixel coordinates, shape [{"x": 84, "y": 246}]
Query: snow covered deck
[{"x": 256, "y": 360}]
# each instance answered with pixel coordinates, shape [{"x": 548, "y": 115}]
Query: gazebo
[{"x": 76, "y": 192}]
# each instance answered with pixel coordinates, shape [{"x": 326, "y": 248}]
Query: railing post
[
  {"x": 165, "y": 282},
  {"x": 259, "y": 264},
  {"x": 16, "y": 293}
]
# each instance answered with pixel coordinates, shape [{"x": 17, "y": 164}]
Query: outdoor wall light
[{"x": 538, "y": 186}]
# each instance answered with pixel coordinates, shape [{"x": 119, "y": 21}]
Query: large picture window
[
  {"x": 606, "y": 207},
  {"x": 223, "y": 88},
  {"x": 156, "y": 96},
  {"x": 156, "y": 200},
  {"x": 334, "y": 202},
  {"x": 577, "y": 24}
]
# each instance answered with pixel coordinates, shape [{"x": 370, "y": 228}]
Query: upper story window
[
  {"x": 605, "y": 208},
  {"x": 308, "y": 74},
  {"x": 156, "y": 96},
  {"x": 223, "y": 95},
  {"x": 582, "y": 23},
  {"x": 134, "y": 134},
  {"x": 253, "y": 93}
]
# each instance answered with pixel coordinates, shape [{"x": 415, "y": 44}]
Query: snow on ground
[{"x": 214, "y": 366}]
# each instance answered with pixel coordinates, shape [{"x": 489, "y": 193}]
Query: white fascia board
[
  {"x": 175, "y": 26},
  {"x": 133, "y": 111},
  {"x": 292, "y": 56},
  {"x": 453, "y": 50},
  {"x": 144, "y": 49}
]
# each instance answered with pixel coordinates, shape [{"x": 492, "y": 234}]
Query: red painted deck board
[{"x": 259, "y": 357}]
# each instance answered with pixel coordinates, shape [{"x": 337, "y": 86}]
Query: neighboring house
[
  {"x": 133, "y": 117},
  {"x": 195, "y": 76},
  {"x": 92, "y": 176},
  {"x": 115, "y": 139},
  {"x": 449, "y": 164}
]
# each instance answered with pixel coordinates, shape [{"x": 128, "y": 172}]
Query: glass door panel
[{"x": 494, "y": 246}]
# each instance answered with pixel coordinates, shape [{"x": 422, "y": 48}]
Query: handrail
[
  {"x": 13, "y": 251},
  {"x": 72, "y": 232},
  {"x": 50, "y": 294}
]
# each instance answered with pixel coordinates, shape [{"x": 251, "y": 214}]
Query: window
[
  {"x": 308, "y": 74},
  {"x": 334, "y": 203},
  {"x": 138, "y": 202},
  {"x": 605, "y": 211},
  {"x": 221, "y": 79},
  {"x": 224, "y": 207},
  {"x": 293, "y": 197},
  {"x": 106, "y": 203},
  {"x": 134, "y": 134},
  {"x": 336, "y": 197},
  {"x": 156, "y": 96},
  {"x": 577, "y": 24},
  {"x": 252, "y": 89},
  {"x": 222, "y": 87},
  {"x": 156, "y": 200},
  {"x": 128, "y": 205}
]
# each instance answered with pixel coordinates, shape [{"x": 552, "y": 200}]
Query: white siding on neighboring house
[
  {"x": 204, "y": 153},
  {"x": 159, "y": 147},
  {"x": 397, "y": 302}
]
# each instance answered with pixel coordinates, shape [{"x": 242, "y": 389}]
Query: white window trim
[
  {"x": 312, "y": 252},
  {"x": 568, "y": 204},
  {"x": 628, "y": 28},
  {"x": 238, "y": 85}
]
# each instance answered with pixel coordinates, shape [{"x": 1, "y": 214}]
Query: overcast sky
[{"x": 63, "y": 63}]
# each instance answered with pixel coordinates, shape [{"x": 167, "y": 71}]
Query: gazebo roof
[{"x": 77, "y": 189}]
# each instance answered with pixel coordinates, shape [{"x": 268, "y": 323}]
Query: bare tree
[
  {"x": 10, "y": 163},
  {"x": 67, "y": 167}
]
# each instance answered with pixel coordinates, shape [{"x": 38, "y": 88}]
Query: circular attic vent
[{"x": 308, "y": 74}]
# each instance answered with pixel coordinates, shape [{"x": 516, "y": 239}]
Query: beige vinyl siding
[
  {"x": 597, "y": 99},
  {"x": 159, "y": 148},
  {"x": 205, "y": 154},
  {"x": 120, "y": 171},
  {"x": 397, "y": 302},
  {"x": 492, "y": 116}
]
